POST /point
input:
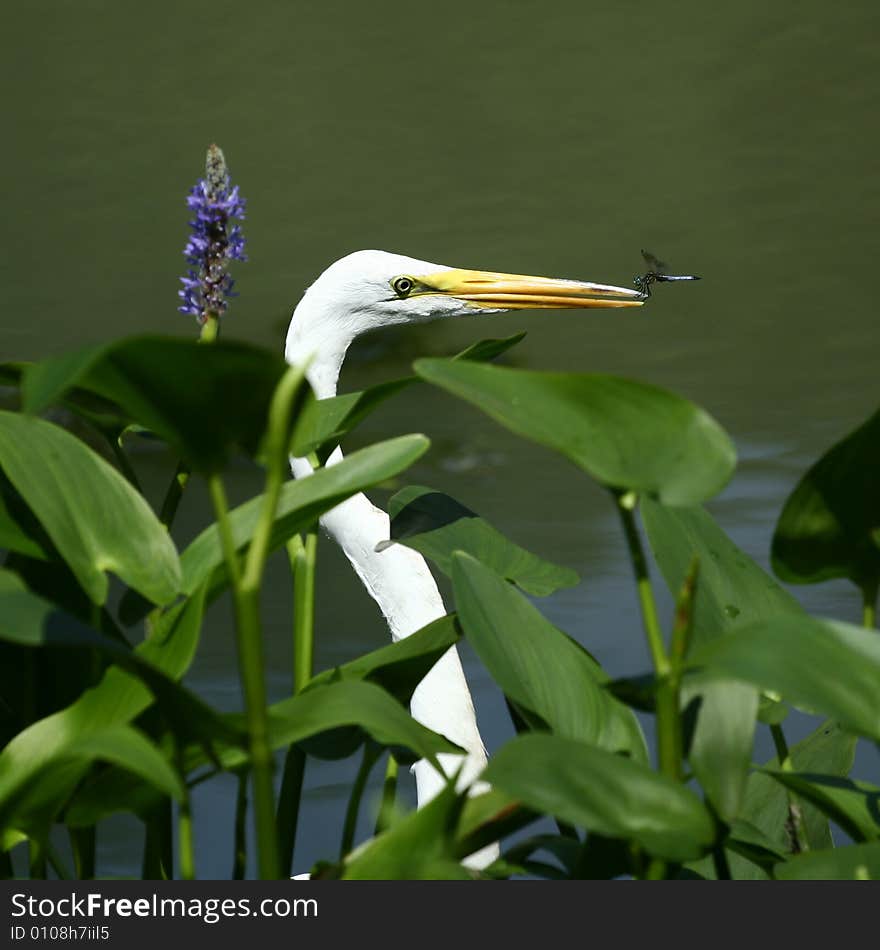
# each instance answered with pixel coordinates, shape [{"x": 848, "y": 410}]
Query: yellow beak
[{"x": 519, "y": 292}]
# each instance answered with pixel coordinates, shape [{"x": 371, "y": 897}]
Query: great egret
[{"x": 364, "y": 291}]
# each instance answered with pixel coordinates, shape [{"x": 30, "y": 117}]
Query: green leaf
[
  {"x": 821, "y": 666},
  {"x": 858, "y": 862},
  {"x": 323, "y": 422},
  {"x": 13, "y": 536},
  {"x": 487, "y": 818},
  {"x": 131, "y": 750},
  {"x": 95, "y": 519},
  {"x": 828, "y": 527},
  {"x": 300, "y": 503},
  {"x": 720, "y": 750},
  {"x": 542, "y": 671},
  {"x": 322, "y": 711},
  {"x": 418, "y": 848},
  {"x": 731, "y": 590},
  {"x": 603, "y": 792},
  {"x": 398, "y": 667},
  {"x": 436, "y": 525},
  {"x": 207, "y": 401},
  {"x": 627, "y": 435},
  {"x": 828, "y": 750},
  {"x": 36, "y": 773},
  {"x": 854, "y": 805}
]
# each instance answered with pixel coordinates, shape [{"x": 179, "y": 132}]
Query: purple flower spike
[{"x": 213, "y": 242}]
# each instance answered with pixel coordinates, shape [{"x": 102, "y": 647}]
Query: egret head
[{"x": 372, "y": 289}]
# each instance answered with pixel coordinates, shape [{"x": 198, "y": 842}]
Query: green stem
[
  {"x": 371, "y": 755},
  {"x": 239, "y": 858},
  {"x": 158, "y": 863},
  {"x": 37, "y": 854},
  {"x": 625, "y": 506},
  {"x": 125, "y": 465},
  {"x": 389, "y": 796},
  {"x": 246, "y": 585},
  {"x": 173, "y": 494},
  {"x": 869, "y": 606},
  {"x": 302, "y": 556},
  {"x": 794, "y": 824},
  {"x": 289, "y": 804},
  {"x": 57, "y": 864},
  {"x": 82, "y": 845},
  {"x": 722, "y": 865},
  {"x": 251, "y": 666},
  {"x": 669, "y": 731},
  {"x": 210, "y": 329}
]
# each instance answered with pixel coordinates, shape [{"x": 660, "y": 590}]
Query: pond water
[{"x": 739, "y": 143}]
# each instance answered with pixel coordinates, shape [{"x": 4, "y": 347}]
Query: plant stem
[
  {"x": 289, "y": 804},
  {"x": 185, "y": 841},
  {"x": 722, "y": 865},
  {"x": 250, "y": 661},
  {"x": 82, "y": 845},
  {"x": 371, "y": 754},
  {"x": 625, "y": 506},
  {"x": 302, "y": 556},
  {"x": 37, "y": 854},
  {"x": 246, "y": 585},
  {"x": 389, "y": 795},
  {"x": 158, "y": 863},
  {"x": 794, "y": 825},
  {"x": 239, "y": 858},
  {"x": 869, "y": 606},
  {"x": 210, "y": 329},
  {"x": 173, "y": 494},
  {"x": 302, "y": 565},
  {"x": 669, "y": 733}
]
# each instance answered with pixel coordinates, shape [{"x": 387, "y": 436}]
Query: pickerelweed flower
[{"x": 213, "y": 243}]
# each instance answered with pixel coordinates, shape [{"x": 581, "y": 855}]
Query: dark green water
[{"x": 738, "y": 143}]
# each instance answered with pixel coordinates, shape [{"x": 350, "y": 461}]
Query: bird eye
[{"x": 402, "y": 285}]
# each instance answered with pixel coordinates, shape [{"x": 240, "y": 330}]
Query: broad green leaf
[
  {"x": 322, "y": 422},
  {"x": 207, "y": 401},
  {"x": 398, "y": 667},
  {"x": 301, "y": 501},
  {"x": 731, "y": 590},
  {"x": 749, "y": 842},
  {"x": 418, "y": 848},
  {"x": 603, "y": 792},
  {"x": 821, "y": 666},
  {"x": 95, "y": 519},
  {"x": 436, "y": 525},
  {"x": 858, "y": 862},
  {"x": 487, "y": 818},
  {"x": 129, "y": 749},
  {"x": 627, "y": 435},
  {"x": 338, "y": 706},
  {"x": 854, "y": 805},
  {"x": 28, "y": 620},
  {"x": 541, "y": 670},
  {"x": 829, "y": 523},
  {"x": 828, "y": 750},
  {"x": 720, "y": 750},
  {"x": 36, "y": 775},
  {"x": 13, "y": 536}
]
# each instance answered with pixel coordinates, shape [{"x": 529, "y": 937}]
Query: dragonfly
[{"x": 657, "y": 272}]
